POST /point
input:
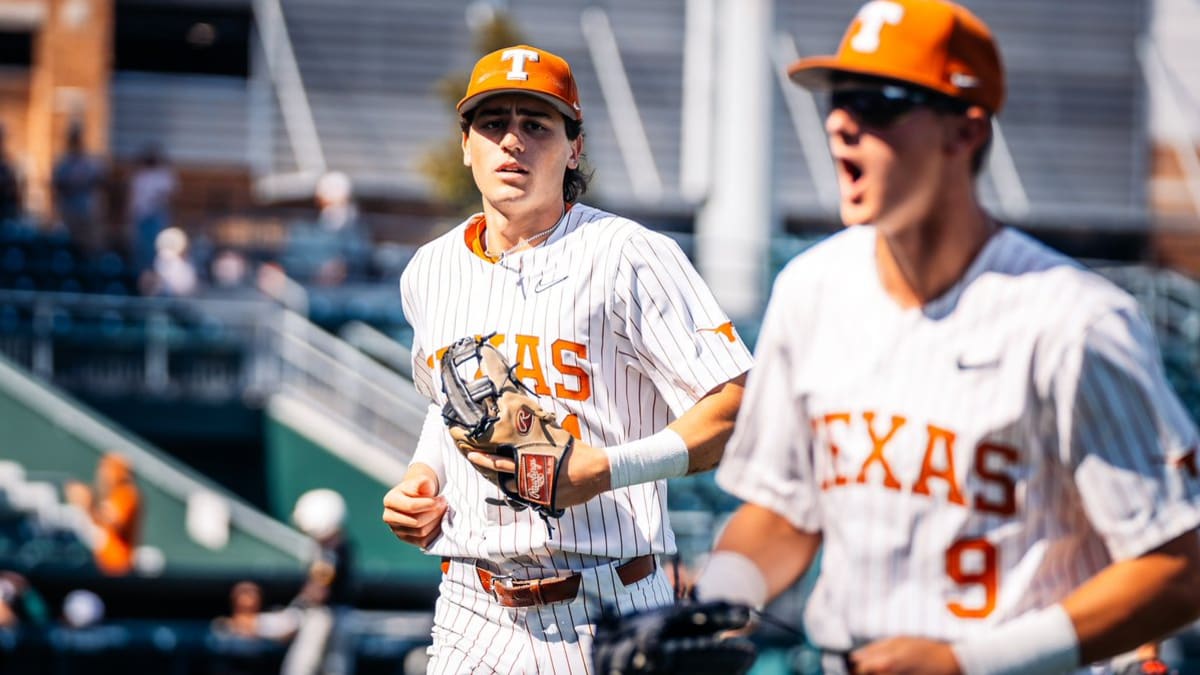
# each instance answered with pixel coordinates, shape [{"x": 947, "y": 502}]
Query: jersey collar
[{"x": 473, "y": 235}]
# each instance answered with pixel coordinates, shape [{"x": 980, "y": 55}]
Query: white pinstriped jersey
[
  {"x": 967, "y": 461},
  {"x": 609, "y": 323}
]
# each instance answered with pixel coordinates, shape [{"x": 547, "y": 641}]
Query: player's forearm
[
  {"x": 781, "y": 552},
  {"x": 707, "y": 426},
  {"x": 693, "y": 443},
  {"x": 1137, "y": 601}
]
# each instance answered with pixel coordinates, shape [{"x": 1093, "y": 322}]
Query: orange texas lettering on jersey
[
  {"x": 571, "y": 380},
  {"x": 991, "y": 463}
]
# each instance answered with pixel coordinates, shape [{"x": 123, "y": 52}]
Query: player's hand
[
  {"x": 413, "y": 508},
  {"x": 905, "y": 656},
  {"x": 587, "y": 473}
]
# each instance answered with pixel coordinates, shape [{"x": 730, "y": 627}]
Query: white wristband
[
  {"x": 661, "y": 455},
  {"x": 1039, "y": 642},
  {"x": 734, "y": 577}
]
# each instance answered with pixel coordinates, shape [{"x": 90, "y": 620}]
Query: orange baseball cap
[
  {"x": 524, "y": 70},
  {"x": 932, "y": 43}
]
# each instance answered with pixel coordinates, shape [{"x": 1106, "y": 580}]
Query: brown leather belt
[{"x": 529, "y": 592}]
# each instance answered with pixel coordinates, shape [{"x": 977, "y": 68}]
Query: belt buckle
[{"x": 498, "y": 580}]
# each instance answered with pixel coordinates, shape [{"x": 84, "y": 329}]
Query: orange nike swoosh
[{"x": 725, "y": 329}]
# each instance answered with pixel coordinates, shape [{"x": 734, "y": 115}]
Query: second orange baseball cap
[
  {"x": 524, "y": 70},
  {"x": 932, "y": 43}
]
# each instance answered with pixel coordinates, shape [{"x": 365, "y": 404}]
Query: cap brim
[
  {"x": 468, "y": 104},
  {"x": 815, "y": 72}
]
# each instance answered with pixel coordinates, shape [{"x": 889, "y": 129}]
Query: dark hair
[{"x": 575, "y": 181}]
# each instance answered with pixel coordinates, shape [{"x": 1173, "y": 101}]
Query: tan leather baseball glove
[{"x": 491, "y": 411}]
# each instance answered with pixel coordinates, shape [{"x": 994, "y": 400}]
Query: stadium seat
[
  {"x": 33, "y": 496},
  {"x": 12, "y": 259},
  {"x": 11, "y": 474}
]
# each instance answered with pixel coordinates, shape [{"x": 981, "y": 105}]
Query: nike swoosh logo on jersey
[
  {"x": 542, "y": 284},
  {"x": 964, "y": 363}
]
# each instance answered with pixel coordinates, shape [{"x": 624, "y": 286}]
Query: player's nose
[
  {"x": 511, "y": 141},
  {"x": 840, "y": 124}
]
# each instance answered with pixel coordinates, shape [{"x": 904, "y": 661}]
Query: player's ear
[
  {"x": 466, "y": 151},
  {"x": 576, "y": 151},
  {"x": 970, "y": 131}
]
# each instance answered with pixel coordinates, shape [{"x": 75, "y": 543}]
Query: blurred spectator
[
  {"x": 151, "y": 187},
  {"x": 173, "y": 273},
  {"x": 115, "y": 505},
  {"x": 10, "y": 186},
  {"x": 321, "y": 514},
  {"x": 82, "y": 609},
  {"x": 229, "y": 270},
  {"x": 334, "y": 248},
  {"x": 274, "y": 282},
  {"x": 20, "y": 603},
  {"x": 334, "y": 199},
  {"x": 246, "y": 618},
  {"x": 322, "y": 643},
  {"x": 77, "y": 179}
]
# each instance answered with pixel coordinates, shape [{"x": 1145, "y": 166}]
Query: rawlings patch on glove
[
  {"x": 683, "y": 638},
  {"x": 496, "y": 413}
]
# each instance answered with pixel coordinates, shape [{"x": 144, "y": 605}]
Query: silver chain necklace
[{"x": 527, "y": 241}]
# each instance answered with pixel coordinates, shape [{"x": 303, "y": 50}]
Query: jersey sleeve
[
  {"x": 428, "y": 450},
  {"x": 429, "y": 443},
  {"x": 422, "y": 373},
  {"x": 684, "y": 341},
  {"x": 768, "y": 461},
  {"x": 410, "y": 300},
  {"x": 1127, "y": 439}
]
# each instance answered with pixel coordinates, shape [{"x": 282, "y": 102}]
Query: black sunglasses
[{"x": 880, "y": 107}]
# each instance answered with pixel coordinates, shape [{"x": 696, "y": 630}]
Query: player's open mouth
[
  {"x": 851, "y": 170},
  {"x": 511, "y": 168}
]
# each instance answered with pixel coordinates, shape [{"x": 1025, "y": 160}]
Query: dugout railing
[
  {"x": 245, "y": 349},
  {"x": 321, "y": 413}
]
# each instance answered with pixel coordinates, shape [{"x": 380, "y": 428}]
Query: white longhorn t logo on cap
[
  {"x": 518, "y": 58},
  {"x": 872, "y": 17}
]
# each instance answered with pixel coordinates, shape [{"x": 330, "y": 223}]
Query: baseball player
[
  {"x": 974, "y": 430},
  {"x": 613, "y": 330}
]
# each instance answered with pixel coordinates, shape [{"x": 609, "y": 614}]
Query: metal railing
[
  {"x": 622, "y": 108},
  {"x": 175, "y": 480},
  {"x": 806, "y": 120},
  {"x": 208, "y": 349},
  {"x": 283, "y": 74},
  {"x": 379, "y": 346},
  {"x": 380, "y": 405},
  {"x": 198, "y": 348}
]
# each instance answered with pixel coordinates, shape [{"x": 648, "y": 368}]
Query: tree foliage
[{"x": 442, "y": 163}]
